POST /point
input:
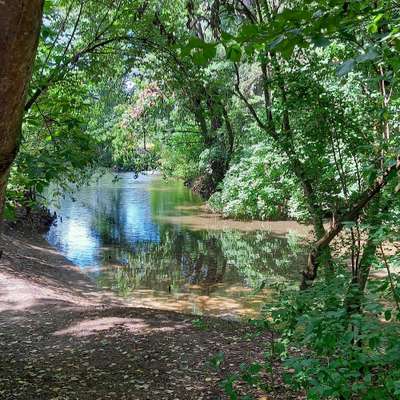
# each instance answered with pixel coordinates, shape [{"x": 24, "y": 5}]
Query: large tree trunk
[{"x": 20, "y": 22}]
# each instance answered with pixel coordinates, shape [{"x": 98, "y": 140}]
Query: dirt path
[{"x": 62, "y": 338}]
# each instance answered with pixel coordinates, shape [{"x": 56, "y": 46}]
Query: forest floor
[{"x": 63, "y": 338}]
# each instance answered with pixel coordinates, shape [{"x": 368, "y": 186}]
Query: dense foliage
[{"x": 273, "y": 110}]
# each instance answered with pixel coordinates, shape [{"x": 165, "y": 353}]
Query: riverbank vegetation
[{"x": 268, "y": 109}]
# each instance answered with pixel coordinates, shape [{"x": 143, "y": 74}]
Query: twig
[{"x": 395, "y": 295}]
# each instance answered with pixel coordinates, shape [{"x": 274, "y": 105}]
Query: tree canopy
[{"x": 269, "y": 109}]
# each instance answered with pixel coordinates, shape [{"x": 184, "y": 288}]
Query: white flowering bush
[{"x": 258, "y": 187}]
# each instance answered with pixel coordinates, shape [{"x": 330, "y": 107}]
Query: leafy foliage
[
  {"x": 278, "y": 110},
  {"x": 259, "y": 187}
]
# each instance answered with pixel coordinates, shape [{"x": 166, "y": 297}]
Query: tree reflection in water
[
  {"x": 121, "y": 232},
  {"x": 200, "y": 261}
]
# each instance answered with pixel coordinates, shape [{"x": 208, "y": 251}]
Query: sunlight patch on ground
[
  {"x": 133, "y": 325},
  {"x": 199, "y": 304}
]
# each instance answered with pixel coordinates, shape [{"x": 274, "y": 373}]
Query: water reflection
[{"x": 117, "y": 230}]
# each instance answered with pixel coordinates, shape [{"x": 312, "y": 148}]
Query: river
[{"x": 153, "y": 242}]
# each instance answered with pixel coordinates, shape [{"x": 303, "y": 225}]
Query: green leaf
[
  {"x": 320, "y": 41},
  {"x": 255, "y": 368},
  {"x": 378, "y": 17},
  {"x": 234, "y": 53},
  {"x": 217, "y": 360},
  {"x": 210, "y": 51},
  {"x": 287, "y": 49},
  {"x": 369, "y": 56},
  {"x": 199, "y": 58},
  {"x": 388, "y": 315},
  {"x": 373, "y": 28},
  {"x": 346, "y": 67},
  {"x": 276, "y": 42},
  {"x": 226, "y": 36},
  {"x": 248, "y": 31},
  {"x": 196, "y": 43},
  {"x": 48, "y": 6}
]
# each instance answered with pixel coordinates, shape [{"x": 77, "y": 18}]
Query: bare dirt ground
[{"x": 63, "y": 338}]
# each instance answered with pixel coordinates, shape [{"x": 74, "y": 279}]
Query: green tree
[{"x": 20, "y": 26}]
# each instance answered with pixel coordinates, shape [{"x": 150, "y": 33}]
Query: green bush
[
  {"x": 329, "y": 348},
  {"x": 258, "y": 187}
]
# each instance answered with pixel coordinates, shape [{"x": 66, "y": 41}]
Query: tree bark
[
  {"x": 231, "y": 138},
  {"x": 375, "y": 220},
  {"x": 20, "y": 22}
]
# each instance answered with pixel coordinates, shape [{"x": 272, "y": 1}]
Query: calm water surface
[{"x": 138, "y": 238}]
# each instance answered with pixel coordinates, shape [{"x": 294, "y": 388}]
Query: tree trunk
[
  {"x": 353, "y": 300},
  {"x": 231, "y": 138},
  {"x": 20, "y": 22},
  {"x": 350, "y": 216},
  {"x": 370, "y": 247}
]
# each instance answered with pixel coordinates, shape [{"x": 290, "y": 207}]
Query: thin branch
[
  {"x": 67, "y": 67},
  {"x": 251, "y": 109},
  {"x": 62, "y": 29},
  {"x": 73, "y": 31},
  {"x": 395, "y": 295},
  {"x": 44, "y": 119},
  {"x": 247, "y": 12},
  {"x": 353, "y": 213}
]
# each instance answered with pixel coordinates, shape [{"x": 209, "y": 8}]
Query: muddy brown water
[{"x": 154, "y": 243}]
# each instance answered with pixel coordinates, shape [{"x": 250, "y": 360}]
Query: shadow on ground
[
  {"x": 55, "y": 351},
  {"x": 61, "y": 338}
]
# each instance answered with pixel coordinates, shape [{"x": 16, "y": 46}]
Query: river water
[{"x": 152, "y": 242}]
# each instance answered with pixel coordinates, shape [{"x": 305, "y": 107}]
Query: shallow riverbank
[
  {"x": 204, "y": 218},
  {"x": 155, "y": 244},
  {"x": 63, "y": 338}
]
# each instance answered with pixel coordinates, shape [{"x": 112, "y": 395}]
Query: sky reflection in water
[{"x": 121, "y": 233}]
